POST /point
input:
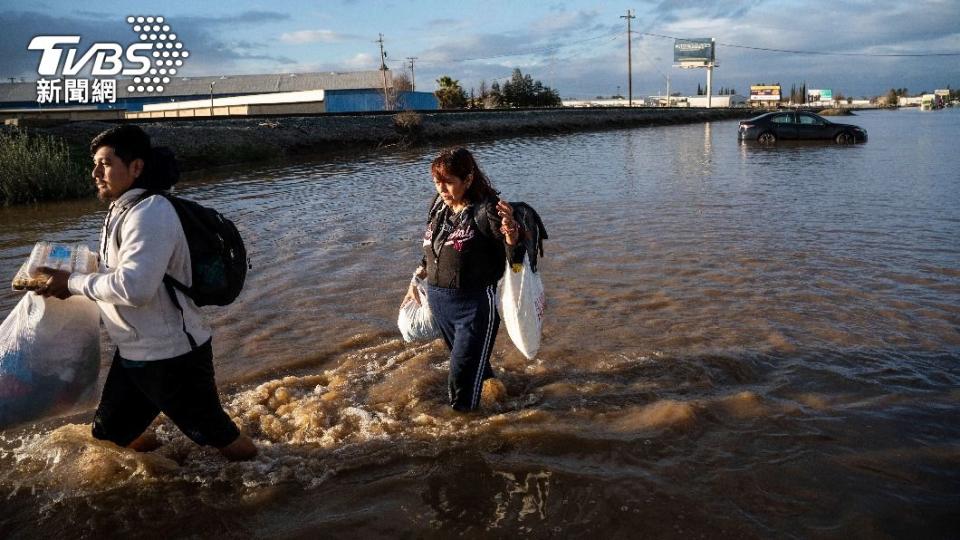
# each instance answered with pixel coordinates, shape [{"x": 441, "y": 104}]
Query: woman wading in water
[{"x": 469, "y": 235}]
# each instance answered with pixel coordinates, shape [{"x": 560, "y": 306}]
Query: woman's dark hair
[
  {"x": 129, "y": 142},
  {"x": 459, "y": 162}
]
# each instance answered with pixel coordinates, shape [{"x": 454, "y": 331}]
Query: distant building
[
  {"x": 698, "y": 101},
  {"x": 342, "y": 92},
  {"x": 733, "y": 100},
  {"x": 602, "y": 102}
]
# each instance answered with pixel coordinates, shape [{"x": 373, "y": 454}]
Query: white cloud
[
  {"x": 312, "y": 36},
  {"x": 564, "y": 22},
  {"x": 361, "y": 62}
]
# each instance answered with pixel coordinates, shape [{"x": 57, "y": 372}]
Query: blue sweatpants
[{"x": 469, "y": 321}]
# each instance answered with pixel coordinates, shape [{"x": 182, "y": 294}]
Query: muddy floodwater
[{"x": 741, "y": 342}]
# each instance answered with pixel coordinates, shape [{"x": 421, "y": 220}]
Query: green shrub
[{"x": 39, "y": 168}]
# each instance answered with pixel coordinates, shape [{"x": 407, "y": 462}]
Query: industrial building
[{"x": 332, "y": 92}]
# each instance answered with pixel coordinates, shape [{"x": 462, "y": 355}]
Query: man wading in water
[{"x": 156, "y": 367}]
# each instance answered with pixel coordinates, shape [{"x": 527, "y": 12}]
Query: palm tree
[{"x": 450, "y": 94}]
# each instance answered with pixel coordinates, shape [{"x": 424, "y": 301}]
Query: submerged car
[{"x": 798, "y": 126}]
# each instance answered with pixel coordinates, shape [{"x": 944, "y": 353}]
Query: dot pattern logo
[{"x": 168, "y": 53}]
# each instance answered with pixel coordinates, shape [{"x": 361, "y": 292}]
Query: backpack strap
[
  {"x": 436, "y": 205},
  {"x": 123, "y": 214},
  {"x": 169, "y": 283},
  {"x": 173, "y": 297}
]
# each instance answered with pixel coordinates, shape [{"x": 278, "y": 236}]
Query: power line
[{"x": 820, "y": 53}]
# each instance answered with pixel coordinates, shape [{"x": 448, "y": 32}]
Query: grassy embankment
[
  {"x": 37, "y": 168},
  {"x": 837, "y": 112}
]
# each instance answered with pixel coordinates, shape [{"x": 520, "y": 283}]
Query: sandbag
[
  {"x": 49, "y": 356},
  {"x": 416, "y": 321},
  {"x": 521, "y": 301}
]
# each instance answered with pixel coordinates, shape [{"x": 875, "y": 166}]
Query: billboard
[
  {"x": 697, "y": 50},
  {"x": 822, "y": 94},
  {"x": 765, "y": 92}
]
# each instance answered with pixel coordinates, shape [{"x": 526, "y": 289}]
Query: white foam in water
[
  {"x": 68, "y": 461},
  {"x": 387, "y": 397}
]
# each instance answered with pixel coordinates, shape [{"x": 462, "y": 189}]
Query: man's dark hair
[{"x": 128, "y": 141}]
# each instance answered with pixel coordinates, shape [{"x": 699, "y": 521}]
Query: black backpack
[
  {"x": 218, "y": 258},
  {"x": 532, "y": 234}
]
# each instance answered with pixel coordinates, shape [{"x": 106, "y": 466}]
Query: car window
[
  {"x": 782, "y": 119},
  {"x": 809, "y": 120}
]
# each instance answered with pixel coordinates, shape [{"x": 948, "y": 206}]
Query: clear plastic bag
[
  {"x": 69, "y": 257},
  {"x": 49, "y": 356},
  {"x": 522, "y": 301},
  {"x": 416, "y": 321}
]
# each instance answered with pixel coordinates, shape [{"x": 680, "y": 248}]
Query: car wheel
[
  {"x": 767, "y": 138},
  {"x": 844, "y": 138}
]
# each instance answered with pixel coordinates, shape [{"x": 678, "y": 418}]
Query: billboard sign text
[
  {"x": 698, "y": 50},
  {"x": 765, "y": 92}
]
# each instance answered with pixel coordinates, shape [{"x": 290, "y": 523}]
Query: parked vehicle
[{"x": 803, "y": 126}]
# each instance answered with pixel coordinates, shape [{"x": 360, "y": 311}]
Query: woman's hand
[
  {"x": 412, "y": 293},
  {"x": 507, "y": 225}
]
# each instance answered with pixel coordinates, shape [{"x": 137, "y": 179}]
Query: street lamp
[{"x": 211, "y": 97}]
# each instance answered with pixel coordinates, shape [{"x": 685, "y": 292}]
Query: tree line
[
  {"x": 518, "y": 91},
  {"x": 724, "y": 91}
]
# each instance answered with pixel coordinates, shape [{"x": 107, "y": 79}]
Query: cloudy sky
[{"x": 576, "y": 47}]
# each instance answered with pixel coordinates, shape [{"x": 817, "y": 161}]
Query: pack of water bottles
[{"x": 70, "y": 257}]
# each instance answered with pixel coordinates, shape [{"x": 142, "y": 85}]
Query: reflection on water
[{"x": 741, "y": 341}]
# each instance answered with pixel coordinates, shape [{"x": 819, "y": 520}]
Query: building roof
[{"x": 228, "y": 84}]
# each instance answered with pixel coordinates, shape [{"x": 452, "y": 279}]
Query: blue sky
[{"x": 576, "y": 47}]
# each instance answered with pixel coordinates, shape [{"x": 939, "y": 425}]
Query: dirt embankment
[{"x": 204, "y": 143}]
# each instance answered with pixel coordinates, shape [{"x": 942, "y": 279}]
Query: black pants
[
  {"x": 183, "y": 388},
  {"x": 469, "y": 321}
]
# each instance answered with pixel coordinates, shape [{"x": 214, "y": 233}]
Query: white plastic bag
[
  {"x": 49, "y": 356},
  {"x": 416, "y": 322},
  {"x": 521, "y": 306}
]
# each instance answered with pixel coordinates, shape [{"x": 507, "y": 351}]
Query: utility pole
[
  {"x": 628, "y": 17},
  {"x": 413, "y": 78},
  {"x": 710, "y": 64},
  {"x": 383, "y": 72}
]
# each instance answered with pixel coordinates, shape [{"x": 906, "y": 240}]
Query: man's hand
[{"x": 56, "y": 285}]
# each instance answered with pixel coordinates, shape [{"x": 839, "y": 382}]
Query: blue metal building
[{"x": 344, "y": 92}]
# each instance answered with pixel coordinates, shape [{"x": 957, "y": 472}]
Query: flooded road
[{"x": 740, "y": 341}]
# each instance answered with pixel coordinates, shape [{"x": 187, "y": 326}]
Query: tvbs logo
[
  {"x": 150, "y": 62},
  {"x": 108, "y": 58}
]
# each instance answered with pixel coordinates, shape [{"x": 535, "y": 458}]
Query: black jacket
[{"x": 464, "y": 251}]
